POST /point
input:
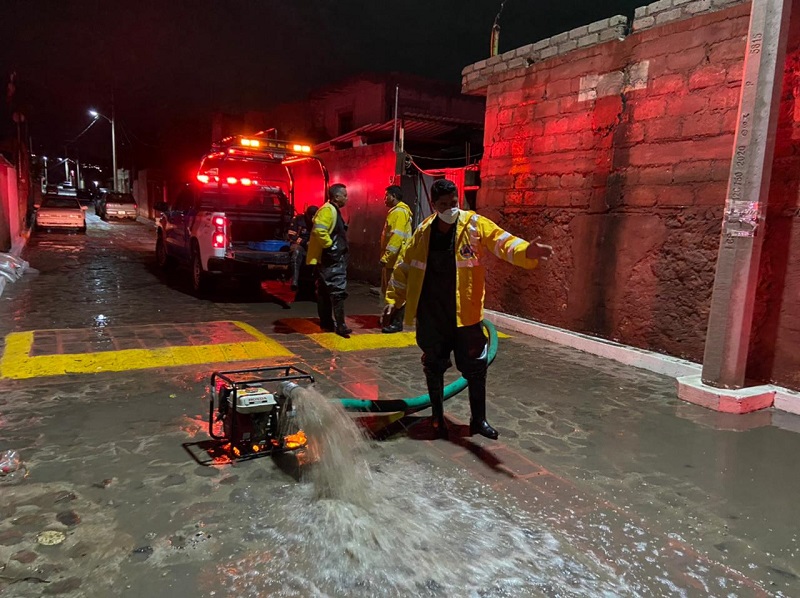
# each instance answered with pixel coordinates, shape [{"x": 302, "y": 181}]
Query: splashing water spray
[{"x": 367, "y": 523}]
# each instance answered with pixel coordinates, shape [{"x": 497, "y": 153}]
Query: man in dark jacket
[{"x": 298, "y": 235}]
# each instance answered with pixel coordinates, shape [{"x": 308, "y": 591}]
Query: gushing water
[
  {"x": 337, "y": 449},
  {"x": 384, "y": 527}
]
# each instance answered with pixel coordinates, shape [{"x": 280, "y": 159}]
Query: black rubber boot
[
  {"x": 477, "y": 407},
  {"x": 338, "y": 316},
  {"x": 435, "y": 383},
  {"x": 325, "y": 318},
  {"x": 324, "y": 307},
  {"x": 297, "y": 263},
  {"x": 397, "y": 322}
]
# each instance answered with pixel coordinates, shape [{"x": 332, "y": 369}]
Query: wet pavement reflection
[{"x": 602, "y": 484}]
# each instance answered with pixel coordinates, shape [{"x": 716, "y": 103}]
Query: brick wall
[
  {"x": 665, "y": 11},
  {"x": 367, "y": 171},
  {"x": 618, "y": 152}
]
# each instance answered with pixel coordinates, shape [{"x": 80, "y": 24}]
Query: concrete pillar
[{"x": 730, "y": 320}]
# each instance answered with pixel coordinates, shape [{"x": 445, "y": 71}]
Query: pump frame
[{"x": 253, "y": 376}]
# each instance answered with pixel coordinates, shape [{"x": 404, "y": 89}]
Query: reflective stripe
[
  {"x": 474, "y": 236},
  {"x": 473, "y": 225},
  {"x": 400, "y": 233},
  {"x": 321, "y": 226},
  {"x": 391, "y": 249},
  {"x": 471, "y": 263},
  {"x": 498, "y": 246},
  {"x": 510, "y": 251},
  {"x": 418, "y": 264},
  {"x": 402, "y": 266},
  {"x": 396, "y": 284}
]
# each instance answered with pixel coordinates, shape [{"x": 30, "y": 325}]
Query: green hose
[{"x": 421, "y": 402}]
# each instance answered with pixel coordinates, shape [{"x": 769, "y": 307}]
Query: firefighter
[
  {"x": 396, "y": 233},
  {"x": 298, "y": 235},
  {"x": 439, "y": 278},
  {"x": 328, "y": 251}
]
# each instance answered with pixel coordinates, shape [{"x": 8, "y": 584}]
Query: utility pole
[
  {"x": 732, "y": 302},
  {"x": 113, "y": 143}
]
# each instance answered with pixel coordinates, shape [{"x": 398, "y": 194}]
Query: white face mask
[{"x": 449, "y": 216}]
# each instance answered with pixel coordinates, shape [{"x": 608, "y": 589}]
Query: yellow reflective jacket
[
  {"x": 476, "y": 236},
  {"x": 396, "y": 232},
  {"x": 324, "y": 221}
]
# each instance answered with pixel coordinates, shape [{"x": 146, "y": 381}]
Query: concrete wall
[
  {"x": 149, "y": 188},
  {"x": 438, "y": 100},
  {"x": 366, "y": 171},
  {"x": 364, "y": 99},
  {"x": 617, "y": 150},
  {"x": 12, "y": 212}
]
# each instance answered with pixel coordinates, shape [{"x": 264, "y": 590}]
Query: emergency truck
[{"x": 233, "y": 219}]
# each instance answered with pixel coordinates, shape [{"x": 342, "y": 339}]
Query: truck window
[
  {"x": 257, "y": 199},
  {"x": 184, "y": 200}
]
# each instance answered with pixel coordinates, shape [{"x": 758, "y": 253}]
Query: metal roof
[{"x": 417, "y": 127}]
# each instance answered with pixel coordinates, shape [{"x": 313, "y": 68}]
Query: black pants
[
  {"x": 467, "y": 343},
  {"x": 298, "y": 259},
  {"x": 331, "y": 293}
]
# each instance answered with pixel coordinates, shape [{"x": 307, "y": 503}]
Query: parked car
[
  {"x": 85, "y": 196},
  {"x": 67, "y": 190},
  {"x": 117, "y": 205},
  {"x": 62, "y": 212}
]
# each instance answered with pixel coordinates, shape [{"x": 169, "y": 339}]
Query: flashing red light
[
  {"x": 246, "y": 182},
  {"x": 232, "y": 180},
  {"x": 218, "y": 240},
  {"x": 203, "y": 178}
]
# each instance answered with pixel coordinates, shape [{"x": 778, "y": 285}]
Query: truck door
[
  {"x": 309, "y": 182},
  {"x": 178, "y": 221}
]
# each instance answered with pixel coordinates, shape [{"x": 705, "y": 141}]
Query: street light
[{"x": 96, "y": 115}]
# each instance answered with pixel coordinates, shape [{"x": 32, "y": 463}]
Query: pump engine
[{"x": 256, "y": 408}]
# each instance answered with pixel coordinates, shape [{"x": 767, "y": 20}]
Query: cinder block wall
[{"x": 616, "y": 148}]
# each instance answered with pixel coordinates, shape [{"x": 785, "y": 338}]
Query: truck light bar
[{"x": 232, "y": 145}]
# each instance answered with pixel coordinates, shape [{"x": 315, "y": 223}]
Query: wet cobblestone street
[{"x": 603, "y": 483}]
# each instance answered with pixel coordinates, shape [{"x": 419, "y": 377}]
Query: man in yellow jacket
[
  {"x": 328, "y": 251},
  {"x": 396, "y": 232},
  {"x": 440, "y": 279}
]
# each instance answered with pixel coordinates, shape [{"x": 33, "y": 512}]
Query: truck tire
[
  {"x": 201, "y": 280},
  {"x": 163, "y": 259}
]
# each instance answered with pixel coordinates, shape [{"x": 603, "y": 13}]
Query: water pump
[{"x": 256, "y": 410}]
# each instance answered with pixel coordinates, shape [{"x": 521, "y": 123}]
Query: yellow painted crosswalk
[
  {"x": 19, "y": 363},
  {"x": 41, "y": 353}
]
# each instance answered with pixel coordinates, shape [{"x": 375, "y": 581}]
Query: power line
[
  {"x": 446, "y": 159},
  {"x": 125, "y": 128},
  {"x": 89, "y": 126}
]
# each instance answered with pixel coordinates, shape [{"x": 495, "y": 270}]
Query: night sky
[{"x": 171, "y": 62}]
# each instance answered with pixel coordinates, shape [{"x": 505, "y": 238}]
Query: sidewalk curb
[
  {"x": 639, "y": 358},
  {"x": 784, "y": 399}
]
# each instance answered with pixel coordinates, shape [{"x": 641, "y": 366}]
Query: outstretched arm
[{"x": 510, "y": 248}]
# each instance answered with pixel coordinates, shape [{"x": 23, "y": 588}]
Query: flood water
[{"x": 357, "y": 526}]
